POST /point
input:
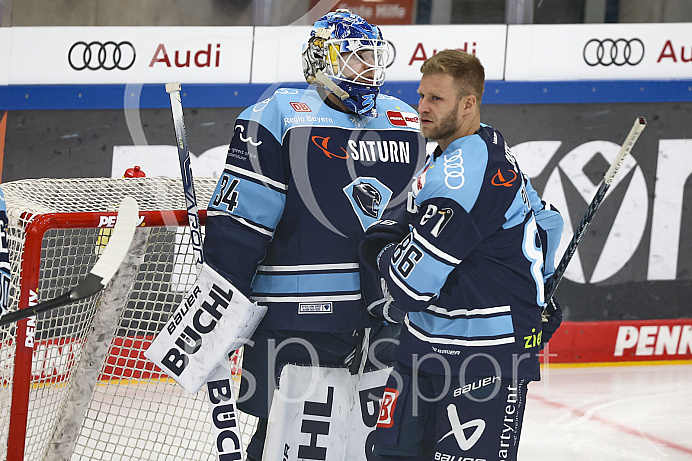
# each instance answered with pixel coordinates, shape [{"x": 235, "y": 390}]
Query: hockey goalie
[{"x": 307, "y": 171}]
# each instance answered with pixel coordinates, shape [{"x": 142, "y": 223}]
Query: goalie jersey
[
  {"x": 471, "y": 273},
  {"x": 302, "y": 182}
]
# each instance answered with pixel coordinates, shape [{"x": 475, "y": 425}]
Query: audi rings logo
[
  {"x": 454, "y": 170},
  {"x": 96, "y": 55},
  {"x": 613, "y": 52}
]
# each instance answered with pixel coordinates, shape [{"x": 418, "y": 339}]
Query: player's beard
[{"x": 446, "y": 127}]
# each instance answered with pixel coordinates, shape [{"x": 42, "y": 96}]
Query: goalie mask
[{"x": 347, "y": 55}]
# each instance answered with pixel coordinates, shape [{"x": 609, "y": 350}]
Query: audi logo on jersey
[
  {"x": 617, "y": 52},
  {"x": 95, "y": 55}
]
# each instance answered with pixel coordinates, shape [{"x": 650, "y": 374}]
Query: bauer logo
[
  {"x": 315, "y": 308},
  {"x": 408, "y": 119},
  {"x": 203, "y": 321}
]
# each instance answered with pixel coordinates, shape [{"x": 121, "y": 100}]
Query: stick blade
[{"x": 119, "y": 242}]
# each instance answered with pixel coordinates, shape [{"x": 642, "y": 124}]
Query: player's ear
[{"x": 469, "y": 103}]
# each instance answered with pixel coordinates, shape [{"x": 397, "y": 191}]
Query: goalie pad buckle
[{"x": 213, "y": 320}]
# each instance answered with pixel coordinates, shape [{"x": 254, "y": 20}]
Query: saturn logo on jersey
[
  {"x": 323, "y": 142},
  {"x": 505, "y": 180}
]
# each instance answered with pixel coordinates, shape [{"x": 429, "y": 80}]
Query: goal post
[{"x": 74, "y": 383}]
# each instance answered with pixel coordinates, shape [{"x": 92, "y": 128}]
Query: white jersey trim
[
  {"x": 243, "y": 221},
  {"x": 259, "y": 177},
  {"x": 469, "y": 312},
  {"x": 434, "y": 250},
  {"x": 308, "y": 267},
  {"x": 306, "y": 299},
  {"x": 406, "y": 289}
]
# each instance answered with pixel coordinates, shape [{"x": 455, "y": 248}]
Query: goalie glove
[{"x": 551, "y": 320}]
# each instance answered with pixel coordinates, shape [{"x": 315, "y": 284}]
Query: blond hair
[{"x": 466, "y": 70}]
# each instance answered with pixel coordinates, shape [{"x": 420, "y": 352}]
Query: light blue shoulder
[
  {"x": 280, "y": 106},
  {"x": 458, "y": 173}
]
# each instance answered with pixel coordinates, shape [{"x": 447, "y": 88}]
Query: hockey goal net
[{"x": 74, "y": 383}]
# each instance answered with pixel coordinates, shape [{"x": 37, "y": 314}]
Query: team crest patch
[{"x": 369, "y": 198}]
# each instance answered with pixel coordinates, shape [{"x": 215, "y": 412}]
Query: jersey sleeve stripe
[
  {"x": 407, "y": 290},
  {"x": 256, "y": 177},
  {"x": 427, "y": 275},
  {"x": 433, "y": 250},
  {"x": 248, "y": 200},
  {"x": 475, "y": 327},
  {"x": 306, "y": 283},
  {"x": 469, "y": 312},
  {"x": 245, "y": 222},
  {"x": 457, "y": 341}
]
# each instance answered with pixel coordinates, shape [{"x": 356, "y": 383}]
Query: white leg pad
[{"x": 322, "y": 413}]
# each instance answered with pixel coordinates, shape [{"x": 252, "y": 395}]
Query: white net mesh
[{"x": 132, "y": 413}]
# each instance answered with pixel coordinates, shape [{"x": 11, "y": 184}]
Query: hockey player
[
  {"x": 307, "y": 171},
  {"x": 469, "y": 276}
]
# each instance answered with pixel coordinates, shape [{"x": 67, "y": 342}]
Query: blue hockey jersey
[
  {"x": 471, "y": 273},
  {"x": 302, "y": 182}
]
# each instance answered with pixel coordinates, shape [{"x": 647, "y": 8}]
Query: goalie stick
[
  {"x": 173, "y": 90},
  {"x": 219, "y": 384},
  {"x": 100, "y": 274},
  {"x": 552, "y": 283}
]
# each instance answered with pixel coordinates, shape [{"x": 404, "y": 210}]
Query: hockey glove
[
  {"x": 381, "y": 304},
  {"x": 391, "y": 229},
  {"x": 552, "y": 318}
]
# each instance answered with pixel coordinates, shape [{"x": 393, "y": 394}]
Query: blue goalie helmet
[{"x": 348, "y": 56}]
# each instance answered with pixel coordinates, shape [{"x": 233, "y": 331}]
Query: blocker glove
[
  {"x": 391, "y": 229},
  {"x": 552, "y": 318}
]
